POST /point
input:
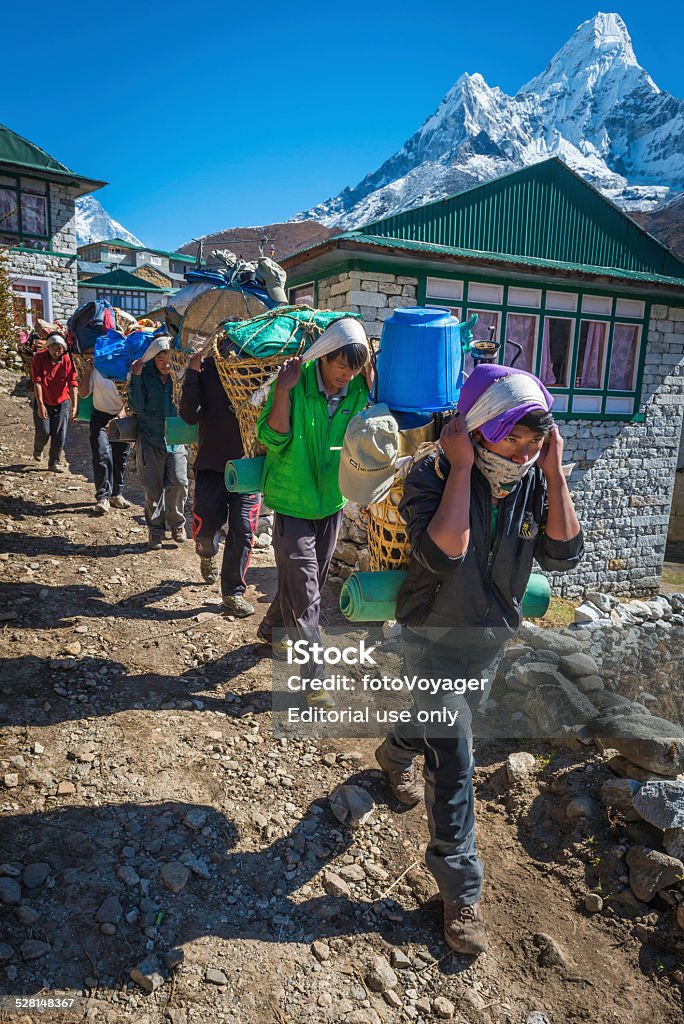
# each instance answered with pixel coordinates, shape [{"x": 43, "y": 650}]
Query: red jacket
[{"x": 54, "y": 378}]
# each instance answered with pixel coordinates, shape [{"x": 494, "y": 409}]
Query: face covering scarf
[{"x": 501, "y": 473}]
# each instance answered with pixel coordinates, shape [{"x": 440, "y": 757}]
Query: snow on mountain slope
[
  {"x": 594, "y": 106},
  {"x": 93, "y": 223}
]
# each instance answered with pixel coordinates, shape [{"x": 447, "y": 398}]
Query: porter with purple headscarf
[{"x": 479, "y": 511}]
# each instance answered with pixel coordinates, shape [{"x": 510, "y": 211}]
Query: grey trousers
[
  {"x": 164, "y": 479},
  {"x": 451, "y": 855},
  {"x": 303, "y": 550},
  {"x": 53, "y": 429}
]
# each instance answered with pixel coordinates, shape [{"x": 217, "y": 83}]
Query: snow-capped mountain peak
[
  {"x": 593, "y": 105},
  {"x": 93, "y": 224}
]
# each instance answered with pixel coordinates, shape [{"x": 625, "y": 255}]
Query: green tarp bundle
[
  {"x": 372, "y": 596},
  {"x": 286, "y": 330}
]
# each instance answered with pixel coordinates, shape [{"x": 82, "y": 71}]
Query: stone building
[
  {"x": 597, "y": 306},
  {"x": 99, "y": 257},
  {"x": 38, "y": 228},
  {"x": 130, "y": 292}
]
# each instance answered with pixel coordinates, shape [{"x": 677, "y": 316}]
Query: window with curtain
[
  {"x": 33, "y": 214},
  {"x": 302, "y": 295},
  {"x": 624, "y": 357},
  {"x": 521, "y": 329},
  {"x": 591, "y": 354},
  {"x": 556, "y": 347},
  {"x": 9, "y": 210},
  {"x": 486, "y": 319}
]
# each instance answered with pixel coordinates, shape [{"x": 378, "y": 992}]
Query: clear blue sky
[{"x": 210, "y": 116}]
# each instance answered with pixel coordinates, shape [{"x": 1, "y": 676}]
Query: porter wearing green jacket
[
  {"x": 302, "y": 426},
  {"x": 300, "y": 474}
]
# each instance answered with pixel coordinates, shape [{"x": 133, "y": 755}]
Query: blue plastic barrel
[{"x": 419, "y": 364}]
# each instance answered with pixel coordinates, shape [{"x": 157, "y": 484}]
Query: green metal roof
[
  {"x": 543, "y": 212},
  {"x": 120, "y": 243},
  {"x": 409, "y": 245},
  {"x": 121, "y": 279},
  {"x": 18, "y": 152}
]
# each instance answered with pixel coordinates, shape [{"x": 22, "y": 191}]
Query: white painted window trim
[{"x": 46, "y": 285}]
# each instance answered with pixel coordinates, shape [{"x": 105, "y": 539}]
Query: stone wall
[
  {"x": 624, "y": 473},
  {"x": 61, "y": 270},
  {"x": 370, "y": 293},
  {"x": 675, "y": 533}
]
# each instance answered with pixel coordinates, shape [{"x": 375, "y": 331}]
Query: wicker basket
[
  {"x": 388, "y": 542},
  {"x": 241, "y": 377},
  {"x": 180, "y": 358}
]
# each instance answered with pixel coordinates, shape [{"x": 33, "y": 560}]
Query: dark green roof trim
[
  {"x": 17, "y": 153},
  {"x": 117, "y": 279},
  {"x": 120, "y": 243},
  {"x": 409, "y": 245},
  {"x": 545, "y": 211},
  {"x": 41, "y": 252}
]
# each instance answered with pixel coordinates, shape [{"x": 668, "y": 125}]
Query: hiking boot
[
  {"x": 320, "y": 699},
  {"x": 154, "y": 540},
  {"x": 235, "y": 604},
  {"x": 262, "y": 635},
  {"x": 37, "y": 456},
  {"x": 405, "y": 783},
  {"x": 102, "y": 506},
  {"x": 209, "y": 568},
  {"x": 57, "y": 467},
  {"x": 118, "y": 501},
  {"x": 179, "y": 534},
  {"x": 464, "y": 928}
]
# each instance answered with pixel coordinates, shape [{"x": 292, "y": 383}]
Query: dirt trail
[{"x": 138, "y": 736}]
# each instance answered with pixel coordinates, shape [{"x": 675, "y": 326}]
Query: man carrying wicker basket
[
  {"x": 478, "y": 511},
  {"x": 302, "y": 426},
  {"x": 204, "y": 401},
  {"x": 162, "y": 467}
]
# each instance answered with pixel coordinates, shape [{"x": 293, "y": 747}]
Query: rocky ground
[{"x": 167, "y": 859}]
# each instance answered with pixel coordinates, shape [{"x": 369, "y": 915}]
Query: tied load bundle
[
  {"x": 114, "y": 353},
  {"x": 248, "y": 355},
  {"x": 225, "y": 288}
]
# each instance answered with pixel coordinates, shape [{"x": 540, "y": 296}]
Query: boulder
[
  {"x": 519, "y": 766},
  {"x": 560, "y": 706},
  {"x": 650, "y": 742},
  {"x": 661, "y": 804},
  {"x": 526, "y": 675},
  {"x": 604, "y": 602},
  {"x": 588, "y": 613},
  {"x": 548, "y": 640},
  {"x": 650, "y": 870},
  {"x": 589, "y": 684},
  {"x": 578, "y": 664},
  {"x": 618, "y": 795},
  {"x": 673, "y": 842}
]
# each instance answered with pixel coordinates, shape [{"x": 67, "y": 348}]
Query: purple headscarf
[{"x": 481, "y": 379}]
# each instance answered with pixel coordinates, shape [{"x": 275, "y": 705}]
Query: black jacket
[
  {"x": 205, "y": 402},
  {"x": 475, "y": 598}
]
